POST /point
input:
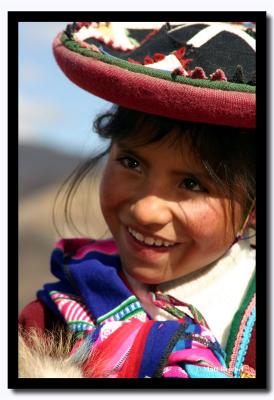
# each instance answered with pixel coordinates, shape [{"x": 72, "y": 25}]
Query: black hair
[{"x": 227, "y": 153}]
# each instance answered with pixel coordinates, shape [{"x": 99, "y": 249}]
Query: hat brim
[{"x": 181, "y": 98}]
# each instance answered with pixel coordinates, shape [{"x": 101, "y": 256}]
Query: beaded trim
[{"x": 243, "y": 338}]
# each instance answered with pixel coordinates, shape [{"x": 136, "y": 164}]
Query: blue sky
[{"x": 53, "y": 111}]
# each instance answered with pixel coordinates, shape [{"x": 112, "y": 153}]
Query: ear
[
  {"x": 251, "y": 227},
  {"x": 249, "y": 224},
  {"x": 252, "y": 218}
]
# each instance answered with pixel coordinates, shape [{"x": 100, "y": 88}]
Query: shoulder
[
  {"x": 37, "y": 315},
  {"x": 68, "y": 256}
]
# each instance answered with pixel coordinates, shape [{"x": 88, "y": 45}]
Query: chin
[{"x": 145, "y": 278}]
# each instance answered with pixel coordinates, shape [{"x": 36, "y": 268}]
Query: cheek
[
  {"x": 210, "y": 222},
  {"x": 112, "y": 191},
  {"x": 106, "y": 192}
]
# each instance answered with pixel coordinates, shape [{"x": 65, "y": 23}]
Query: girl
[{"x": 172, "y": 293}]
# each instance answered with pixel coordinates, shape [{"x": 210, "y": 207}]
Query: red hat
[{"x": 193, "y": 71}]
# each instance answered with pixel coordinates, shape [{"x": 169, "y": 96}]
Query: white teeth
[
  {"x": 139, "y": 236},
  {"x": 149, "y": 240}
]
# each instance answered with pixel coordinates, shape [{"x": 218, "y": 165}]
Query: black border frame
[{"x": 263, "y": 370}]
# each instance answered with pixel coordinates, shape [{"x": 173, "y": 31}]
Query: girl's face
[{"x": 167, "y": 216}]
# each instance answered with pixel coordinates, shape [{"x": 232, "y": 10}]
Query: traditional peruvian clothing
[{"x": 131, "y": 330}]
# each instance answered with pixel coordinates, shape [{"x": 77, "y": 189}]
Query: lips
[{"x": 145, "y": 253}]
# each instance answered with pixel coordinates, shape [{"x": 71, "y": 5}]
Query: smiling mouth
[{"x": 150, "y": 241}]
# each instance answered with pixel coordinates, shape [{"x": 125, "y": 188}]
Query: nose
[{"x": 151, "y": 210}]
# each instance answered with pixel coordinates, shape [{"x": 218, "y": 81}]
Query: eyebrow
[{"x": 193, "y": 173}]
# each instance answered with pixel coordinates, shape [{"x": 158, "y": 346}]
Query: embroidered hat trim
[{"x": 212, "y": 84}]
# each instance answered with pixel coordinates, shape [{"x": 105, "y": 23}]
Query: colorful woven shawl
[{"x": 115, "y": 336}]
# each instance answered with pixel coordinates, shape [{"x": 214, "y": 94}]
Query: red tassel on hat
[
  {"x": 198, "y": 73},
  {"x": 218, "y": 75},
  {"x": 179, "y": 71},
  {"x": 148, "y": 60}
]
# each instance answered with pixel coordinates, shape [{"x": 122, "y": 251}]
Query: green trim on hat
[{"x": 204, "y": 83}]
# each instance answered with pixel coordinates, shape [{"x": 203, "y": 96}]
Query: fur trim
[{"x": 46, "y": 355}]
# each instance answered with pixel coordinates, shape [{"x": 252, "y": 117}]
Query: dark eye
[
  {"x": 130, "y": 163},
  {"x": 192, "y": 184}
]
